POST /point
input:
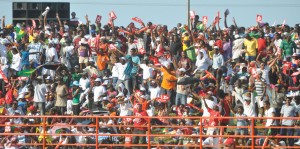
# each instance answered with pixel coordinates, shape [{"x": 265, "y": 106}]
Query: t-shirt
[
  {"x": 241, "y": 121},
  {"x": 98, "y": 91},
  {"x": 265, "y": 74},
  {"x": 147, "y": 71},
  {"x": 102, "y": 61},
  {"x": 214, "y": 121},
  {"x": 51, "y": 53},
  {"x": 35, "y": 47},
  {"x": 16, "y": 62},
  {"x": 140, "y": 121},
  {"x": 251, "y": 45},
  {"x": 135, "y": 61},
  {"x": 39, "y": 92},
  {"x": 121, "y": 68},
  {"x": 167, "y": 76},
  {"x": 269, "y": 113},
  {"x": 154, "y": 92},
  {"x": 288, "y": 111}
]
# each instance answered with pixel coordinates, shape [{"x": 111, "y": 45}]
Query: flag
[
  {"x": 25, "y": 73},
  {"x": 33, "y": 23},
  {"x": 138, "y": 20},
  {"x": 3, "y": 76},
  {"x": 283, "y": 23},
  {"x": 98, "y": 19},
  {"x": 112, "y": 15}
]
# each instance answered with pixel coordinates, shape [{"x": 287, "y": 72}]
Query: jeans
[
  {"x": 180, "y": 99},
  {"x": 250, "y": 58},
  {"x": 41, "y": 107},
  {"x": 114, "y": 82},
  {"x": 288, "y": 132},
  {"x": 139, "y": 139}
]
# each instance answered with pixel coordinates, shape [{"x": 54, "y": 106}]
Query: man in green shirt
[{"x": 288, "y": 46}]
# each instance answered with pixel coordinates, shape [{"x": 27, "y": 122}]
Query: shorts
[{"x": 83, "y": 60}]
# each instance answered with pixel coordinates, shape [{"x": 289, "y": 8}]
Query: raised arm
[{"x": 45, "y": 20}]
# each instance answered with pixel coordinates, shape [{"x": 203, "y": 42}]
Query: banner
[
  {"x": 138, "y": 20},
  {"x": 204, "y": 19},
  {"x": 98, "y": 19},
  {"x": 258, "y": 18},
  {"x": 112, "y": 15}
]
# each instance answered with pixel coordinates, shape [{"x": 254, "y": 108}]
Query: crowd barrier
[{"x": 150, "y": 134}]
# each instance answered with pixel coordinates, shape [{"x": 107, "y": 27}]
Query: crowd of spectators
[{"x": 70, "y": 68}]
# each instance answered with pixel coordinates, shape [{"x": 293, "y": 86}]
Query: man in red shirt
[
  {"x": 138, "y": 122},
  {"x": 262, "y": 45},
  {"x": 213, "y": 120}
]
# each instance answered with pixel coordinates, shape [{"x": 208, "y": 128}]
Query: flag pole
[{"x": 188, "y": 13}]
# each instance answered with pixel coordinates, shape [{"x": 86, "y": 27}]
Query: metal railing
[{"x": 191, "y": 139}]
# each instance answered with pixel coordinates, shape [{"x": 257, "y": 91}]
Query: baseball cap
[
  {"x": 182, "y": 70},
  {"x": 98, "y": 80}
]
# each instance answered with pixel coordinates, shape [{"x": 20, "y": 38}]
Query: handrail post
[
  {"x": 149, "y": 132},
  {"x": 97, "y": 132},
  {"x": 44, "y": 132},
  {"x": 200, "y": 131},
  {"x": 252, "y": 132}
]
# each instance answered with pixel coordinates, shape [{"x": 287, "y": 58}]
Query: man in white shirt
[
  {"x": 51, "y": 57},
  {"x": 35, "y": 50},
  {"x": 270, "y": 112},
  {"x": 99, "y": 91},
  {"x": 154, "y": 90},
  {"x": 40, "y": 89},
  {"x": 248, "y": 102},
  {"x": 122, "y": 77}
]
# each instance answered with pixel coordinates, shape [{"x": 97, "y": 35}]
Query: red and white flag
[
  {"x": 98, "y": 19},
  {"x": 33, "y": 23},
  {"x": 138, "y": 20},
  {"x": 258, "y": 18},
  {"x": 142, "y": 51},
  {"x": 217, "y": 18},
  {"x": 204, "y": 19},
  {"x": 112, "y": 15}
]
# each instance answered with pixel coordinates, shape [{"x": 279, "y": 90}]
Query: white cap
[
  {"x": 246, "y": 98},
  {"x": 98, "y": 80},
  {"x": 48, "y": 78},
  {"x": 157, "y": 39},
  {"x": 182, "y": 70},
  {"x": 120, "y": 95},
  {"x": 142, "y": 89},
  {"x": 210, "y": 92},
  {"x": 243, "y": 78},
  {"x": 216, "y": 47},
  {"x": 123, "y": 58},
  {"x": 236, "y": 36},
  {"x": 104, "y": 98},
  {"x": 105, "y": 82},
  {"x": 259, "y": 71}
]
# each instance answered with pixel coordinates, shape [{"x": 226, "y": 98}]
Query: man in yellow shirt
[{"x": 251, "y": 46}]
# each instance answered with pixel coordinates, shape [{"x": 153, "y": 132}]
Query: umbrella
[
  {"x": 58, "y": 131},
  {"x": 61, "y": 126},
  {"x": 188, "y": 80}
]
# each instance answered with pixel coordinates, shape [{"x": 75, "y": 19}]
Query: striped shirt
[{"x": 259, "y": 87}]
